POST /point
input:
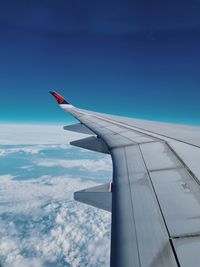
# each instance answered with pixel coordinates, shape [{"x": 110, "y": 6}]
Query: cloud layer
[
  {"x": 40, "y": 223},
  {"x": 88, "y": 164},
  {"x": 17, "y": 134}
]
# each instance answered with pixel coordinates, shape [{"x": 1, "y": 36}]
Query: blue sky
[{"x": 132, "y": 58}]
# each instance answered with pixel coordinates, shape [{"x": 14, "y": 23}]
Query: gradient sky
[{"x": 133, "y": 58}]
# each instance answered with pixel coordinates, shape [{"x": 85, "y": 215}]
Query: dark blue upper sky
[{"x": 134, "y": 58}]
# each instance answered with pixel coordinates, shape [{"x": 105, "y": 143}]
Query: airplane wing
[{"x": 155, "y": 192}]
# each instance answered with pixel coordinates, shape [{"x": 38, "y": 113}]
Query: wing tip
[{"x": 60, "y": 100}]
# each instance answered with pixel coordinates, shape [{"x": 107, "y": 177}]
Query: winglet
[{"x": 59, "y": 98}]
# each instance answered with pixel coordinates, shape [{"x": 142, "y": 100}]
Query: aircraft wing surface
[{"x": 155, "y": 192}]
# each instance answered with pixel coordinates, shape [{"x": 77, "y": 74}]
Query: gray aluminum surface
[
  {"x": 179, "y": 197},
  {"x": 188, "y": 251},
  {"x": 131, "y": 134},
  {"x": 190, "y": 155},
  {"x": 155, "y": 196},
  {"x": 185, "y": 133},
  {"x": 139, "y": 236},
  {"x": 78, "y": 127},
  {"x": 116, "y": 129},
  {"x": 98, "y": 196},
  {"x": 137, "y": 137},
  {"x": 91, "y": 143},
  {"x": 157, "y": 156}
]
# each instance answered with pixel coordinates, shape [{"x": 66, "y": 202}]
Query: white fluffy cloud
[
  {"x": 31, "y": 149},
  {"x": 103, "y": 164},
  {"x": 40, "y": 223},
  {"x": 44, "y": 223},
  {"x": 11, "y": 134}
]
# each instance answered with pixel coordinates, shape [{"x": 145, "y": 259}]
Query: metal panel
[
  {"x": 188, "y": 251},
  {"x": 153, "y": 240},
  {"x": 185, "y": 133},
  {"x": 78, "y": 127},
  {"x": 124, "y": 247},
  {"x": 143, "y": 139},
  {"x": 131, "y": 134},
  {"x": 190, "y": 155},
  {"x": 137, "y": 137},
  {"x": 103, "y": 131},
  {"x": 179, "y": 198},
  {"x": 158, "y": 156},
  {"x": 102, "y": 123},
  {"x": 98, "y": 196},
  {"x": 75, "y": 112},
  {"x": 84, "y": 120},
  {"x": 98, "y": 129},
  {"x": 116, "y": 129},
  {"x": 91, "y": 143},
  {"x": 139, "y": 236},
  {"x": 116, "y": 140}
]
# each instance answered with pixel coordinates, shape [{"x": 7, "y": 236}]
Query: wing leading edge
[{"x": 155, "y": 193}]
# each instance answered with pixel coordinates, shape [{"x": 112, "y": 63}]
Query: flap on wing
[
  {"x": 92, "y": 143},
  {"x": 79, "y": 128},
  {"x": 98, "y": 196}
]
